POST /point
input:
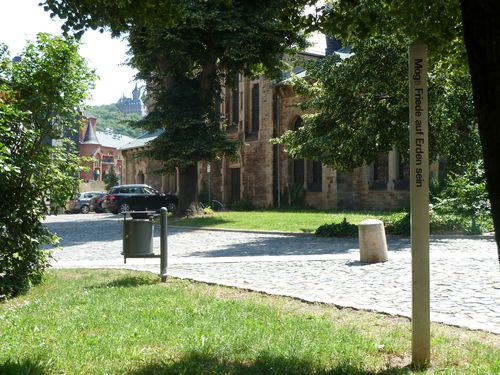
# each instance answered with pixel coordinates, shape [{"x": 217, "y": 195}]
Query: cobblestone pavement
[{"x": 465, "y": 273}]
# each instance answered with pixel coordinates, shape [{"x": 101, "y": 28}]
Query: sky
[{"x": 21, "y": 20}]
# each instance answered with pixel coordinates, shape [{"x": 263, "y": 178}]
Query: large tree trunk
[
  {"x": 188, "y": 182},
  {"x": 482, "y": 40}
]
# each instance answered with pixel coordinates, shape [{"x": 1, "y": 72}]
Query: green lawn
[
  {"x": 115, "y": 321},
  {"x": 289, "y": 221}
]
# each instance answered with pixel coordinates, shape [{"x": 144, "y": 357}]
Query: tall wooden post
[{"x": 419, "y": 201}]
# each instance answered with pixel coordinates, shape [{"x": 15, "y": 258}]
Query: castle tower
[{"x": 136, "y": 93}]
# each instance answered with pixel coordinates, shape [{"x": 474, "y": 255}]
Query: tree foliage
[
  {"x": 185, "y": 51},
  {"x": 39, "y": 98},
  {"x": 438, "y": 23},
  {"x": 358, "y": 108},
  {"x": 186, "y": 64},
  {"x": 460, "y": 34},
  {"x": 110, "y": 179},
  {"x": 110, "y": 117},
  {"x": 464, "y": 196}
]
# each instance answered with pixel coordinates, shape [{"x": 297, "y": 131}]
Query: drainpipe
[{"x": 278, "y": 131}]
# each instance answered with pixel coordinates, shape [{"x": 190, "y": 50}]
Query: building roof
[
  {"x": 87, "y": 114},
  {"x": 90, "y": 137},
  {"x": 108, "y": 139},
  {"x": 142, "y": 140}
]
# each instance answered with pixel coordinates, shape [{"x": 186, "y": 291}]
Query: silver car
[{"x": 81, "y": 202}]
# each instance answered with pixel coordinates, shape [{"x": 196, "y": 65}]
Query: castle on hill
[{"x": 131, "y": 105}]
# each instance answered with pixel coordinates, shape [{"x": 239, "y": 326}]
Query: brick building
[{"x": 102, "y": 147}]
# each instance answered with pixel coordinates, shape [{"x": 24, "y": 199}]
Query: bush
[
  {"x": 465, "y": 198},
  {"x": 243, "y": 205},
  {"x": 53, "y": 80},
  {"x": 294, "y": 195},
  {"x": 110, "y": 179},
  {"x": 398, "y": 223},
  {"x": 342, "y": 229},
  {"x": 446, "y": 223}
]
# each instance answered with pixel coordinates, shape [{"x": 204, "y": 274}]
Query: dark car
[
  {"x": 137, "y": 197},
  {"x": 95, "y": 203}
]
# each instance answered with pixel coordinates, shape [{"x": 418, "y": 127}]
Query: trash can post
[{"x": 163, "y": 245}]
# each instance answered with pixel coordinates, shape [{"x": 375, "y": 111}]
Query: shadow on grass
[
  {"x": 24, "y": 367},
  {"x": 200, "y": 363},
  {"x": 127, "y": 282}
]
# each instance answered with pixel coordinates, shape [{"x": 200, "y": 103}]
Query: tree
[
  {"x": 111, "y": 179},
  {"x": 39, "y": 96},
  {"x": 358, "y": 108},
  {"x": 110, "y": 117},
  {"x": 185, "y": 51},
  {"x": 457, "y": 32}
]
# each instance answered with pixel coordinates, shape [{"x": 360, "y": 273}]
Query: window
[
  {"x": 255, "y": 108},
  {"x": 236, "y": 105},
  {"x": 298, "y": 164},
  {"x": 315, "y": 176},
  {"x": 108, "y": 160},
  {"x": 150, "y": 191},
  {"x": 379, "y": 173},
  {"x": 403, "y": 180},
  {"x": 140, "y": 178},
  {"x": 298, "y": 172}
]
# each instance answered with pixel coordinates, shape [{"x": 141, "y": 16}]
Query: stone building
[{"x": 257, "y": 111}]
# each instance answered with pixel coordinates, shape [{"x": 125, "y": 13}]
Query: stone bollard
[{"x": 372, "y": 243}]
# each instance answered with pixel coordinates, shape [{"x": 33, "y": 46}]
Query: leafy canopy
[
  {"x": 185, "y": 51},
  {"x": 438, "y": 23},
  {"x": 358, "y": 108},
  {"x": 39, "y": 98}
]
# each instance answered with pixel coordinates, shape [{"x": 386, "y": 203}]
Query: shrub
[
  {"x": 111, "y": 179},
  {"x": 39, "y": 97},
  {"x": 465, "y": 198},
  {"x": 294, "y": 195},
  {"x": 398, "y": 223},
  {"x": 243, "y": 205},
  {"x": 446, "y": 223},
  {"x": 342, "y": 229}
]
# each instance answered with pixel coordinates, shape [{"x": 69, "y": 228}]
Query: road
[{"x": 465, "y": 273}]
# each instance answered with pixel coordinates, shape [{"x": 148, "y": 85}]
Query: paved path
[{"x": 465, "y": 273}]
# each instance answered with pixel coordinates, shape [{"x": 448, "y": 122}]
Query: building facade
[
  {"x": 263, "y": 173},
  {"x": 102, "y": 147}
]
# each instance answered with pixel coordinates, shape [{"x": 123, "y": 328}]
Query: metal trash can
[{"x": 138, "y": 236}]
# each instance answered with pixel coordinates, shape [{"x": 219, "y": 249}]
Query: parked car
[
  {"x": 96, "y": 202},
  {"x": 81, "y": 202},
  {"x": 137, "y": 197}
]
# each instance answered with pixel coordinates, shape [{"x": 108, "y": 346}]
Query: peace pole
[{"x": 419, "y": 203}]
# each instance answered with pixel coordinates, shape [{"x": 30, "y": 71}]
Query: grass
[
  {"x": 279, "y": 220},
  {"x": 117, "y": 321}
]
